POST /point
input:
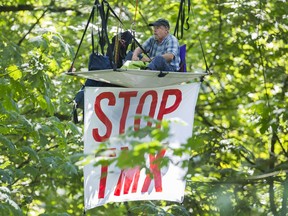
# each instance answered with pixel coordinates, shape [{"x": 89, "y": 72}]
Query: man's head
[
  {"x": 161, "y": 29},
  {"x": 161, "y": 22}
]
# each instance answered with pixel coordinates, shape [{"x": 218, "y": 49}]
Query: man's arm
[
  {"x": 168, "y": 57},
  {"x": 172, "y": 49},
  {"x": 136, "y": 53}
]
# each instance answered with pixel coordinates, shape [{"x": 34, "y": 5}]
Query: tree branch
[
  {"x": 249, "y": 180},
  {"x": 31, "y": 28},
  {"x": 271, "y": 180},
  {"x": 21, "y": 7},
  {"x": 6, "y": 8}
]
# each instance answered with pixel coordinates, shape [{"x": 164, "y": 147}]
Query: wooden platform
[{"x": 134, "y": 78}]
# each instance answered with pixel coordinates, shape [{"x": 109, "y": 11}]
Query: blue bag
[{"x": 99, "y": 62}]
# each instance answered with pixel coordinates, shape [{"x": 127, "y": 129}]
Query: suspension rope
[
  {"x": 262, "y": 61},
  {"x": 133, "y": 24},
  {"x": 181, "y": 19},
  {"x": 86, "y": 27},
  {"x": 136, "y": 11},
  {"x": 202, "y": 49},
  {"x": 136, "y": 41},
  {"x": 117, "y": 40}
]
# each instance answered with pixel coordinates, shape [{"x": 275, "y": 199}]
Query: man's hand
[
  {"x": 145, "y": 59},
  {"x": 136, "y": 53},
  {"x": 135, "y": 58}
]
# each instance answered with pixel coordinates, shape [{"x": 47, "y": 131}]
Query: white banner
[{"x": 108, "y": 113}]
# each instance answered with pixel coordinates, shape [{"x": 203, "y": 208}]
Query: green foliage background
[{"x": 239, "y": 148}]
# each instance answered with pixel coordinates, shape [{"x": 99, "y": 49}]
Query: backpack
[{"x": 100, "y": 62}]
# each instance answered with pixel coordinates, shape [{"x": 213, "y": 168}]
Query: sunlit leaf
[{"x": 14, "y": 72}]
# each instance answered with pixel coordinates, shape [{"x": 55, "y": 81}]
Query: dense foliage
[{"x": 239, "y": 146}]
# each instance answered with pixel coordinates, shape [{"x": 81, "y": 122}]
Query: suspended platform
[{"x": 135, "y": 78}]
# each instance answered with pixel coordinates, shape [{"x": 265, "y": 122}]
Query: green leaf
[
  {"x": 14, "y": 72},
  {"x": 69, "y": 169},
  {"x": 8, "y": 206},
  {"x": 39, "y": 41},
  {"x": 8, "y": 143},
  {"x": 32, "y": 153},
  {"x": 5, "y": 176}
]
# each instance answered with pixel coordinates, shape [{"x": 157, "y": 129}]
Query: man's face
[{"x": 160, "y": 32}]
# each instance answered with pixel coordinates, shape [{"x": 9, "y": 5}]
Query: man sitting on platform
[{"x": 162, "y": 49}]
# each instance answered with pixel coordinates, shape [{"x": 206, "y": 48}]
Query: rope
[
  {"x": 104, "y": 33},
  {"x": 92, "y": 33},
  {"x": 181, "y": 19},
  {"x": 117, "y": 41},
  {"x": 86, "y": 27},
  {"x": 136, "y": 11},
  {"x": 202, "y": 49},
  {"x": 133, "y": 29},
  {"x": 262, "y": 63}
]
